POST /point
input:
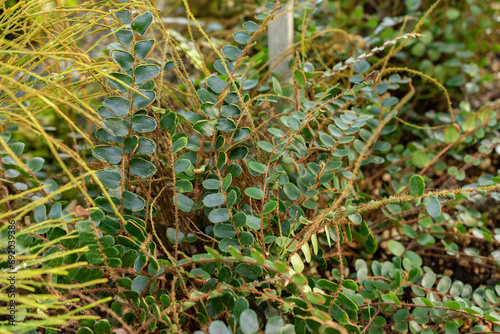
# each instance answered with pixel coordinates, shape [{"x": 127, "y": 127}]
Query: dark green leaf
[
  {"x": 109, "y": 179},
  {"x": 131, "y": 144},
  {"x": 246, "y": 238},
  {"x": 210, "y": 110},
  {"x": 224, "y": 231},
  {"x": 450, "y": 327},
  {"x": 230, "y": 110},
  {"x": 257, "y": 167},
  {"x": 340, "y": 153},
  {"x": 124, "y": 36},
  {"x": 255, "y": 193},
  {"x": 291, "y": 191},
  {"x": 132, "y": 202},
  {"x": 205, "y": 96},
  {"x": 456, "y": 81},
  {"x": 143, "y": 48},
  {"x": 242, "y": 37},
  {"x": 396, "y": 247},
  {"x": 184, "y": 203},
  {"x": 389, "y": 101},
  {"x": 213, "y": 200},
  {"x": 224, "y": 245},
  {"x": 118, "y": 83},
  {"x": 219, "y": 66},
  {"x": 182, "y": 165},
  {"x": 122, "y": 58},
  {"x": 251, "y": 26},
  {"x": 216, "y": 84},
  {"x": 218, "y": 216},
  {"x": 239, "y": 152},
  {"x": 135, "y": 230},
  {"x": 141, "y": 23},
  {"x": 381, "y": 146},
  {"x": 179, "y": 144},
  {"x": 116, "y": 126},
  {"x": 231, "y": 52},
  {"x": 139, "y": 283},
  {"x": 270, "y": 207},
  {"x": 104, "y": 204},
  {"x": 142, "y": 168},
  {"x": 240, "y": 219},
  {"x": 183, "y": 186},
  {"x": 249, "y": 84},
  {"x": 241, "y": 134},
  {"x": 212, "y": 184},
  {"x": 143, "y": 102},
  {"x": 123, "y": 16},
  {"x": 113, "y": 155},
  {"x": 117, "y": 104},
  {"x": 169, "y": 122},
  {"x": 35, "y": 164},
  {"x": 432, "y": 206},
  {"x": 226, "y": 125},
  {"x": 246, "y": 271},
  {"x": 339, "y": 315},
  {"x": 144, "y": 73},
  {"x": 417, "y": 185},
  {"x": 204, "y": 127},
  {"x": 401, "y": 315},
  {"x": 142, "y": 123}
]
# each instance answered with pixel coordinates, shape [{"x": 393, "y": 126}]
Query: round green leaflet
[
  {"x": 219, "y": 215},
  {"x": 117, "y": 104},
  {"x": 213, "y": 200},
  {"x": 242, "y": 37},
  {"x": 145, "y": 146},
  {"x": 132, "y": 201},
  {"x": 249, "y": 323},
  {"x": 124, "y": 36},
  {"x": 417, "y": 185},
  {"x": 224, "y": 231},
  {"x": 144, "y": 73},
  {"x": 216, "y": 84},
  {"x": 141, "y": 23},
  {"x": 122, "y": 58},
  {"x": 143, "y": 48},
  {"x": 218, "y": 327},
  {"x": 142, "y": 168},
  {"x": 221, "y": 69},
  {"x": 116, "y": 126},
  {"x": 231, "y": 52},
  {"x": 143, "y": 123},
  {"x": 110, "y": 154}
]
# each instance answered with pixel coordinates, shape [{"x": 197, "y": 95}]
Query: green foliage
[{"x": 217, "y": 198}]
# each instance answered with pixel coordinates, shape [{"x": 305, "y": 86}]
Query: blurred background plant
[{"x": 162, "y": 180}]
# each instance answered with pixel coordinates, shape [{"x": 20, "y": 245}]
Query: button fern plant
[{"x": 232, "y": 203}]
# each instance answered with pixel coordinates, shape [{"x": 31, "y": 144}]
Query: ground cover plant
[{"x": 157, "y": 177}]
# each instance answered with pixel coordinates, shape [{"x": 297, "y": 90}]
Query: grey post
[{"x": 280, "y": 38}]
